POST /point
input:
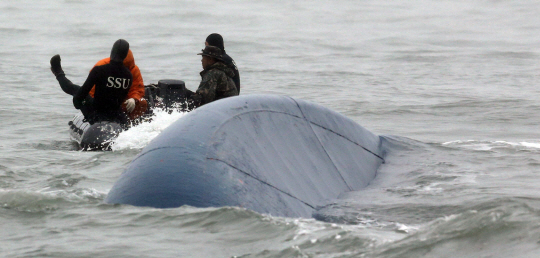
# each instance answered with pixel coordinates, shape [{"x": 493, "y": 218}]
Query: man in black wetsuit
[
  {"x": 216, "y": 40},
  {"x": 112, "y": 82}
]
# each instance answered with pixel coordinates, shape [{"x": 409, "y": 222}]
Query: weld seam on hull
[{"x": 266, "y": 183}]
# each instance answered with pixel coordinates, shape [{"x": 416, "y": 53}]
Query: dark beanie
[{"x": 215, "y": 40}]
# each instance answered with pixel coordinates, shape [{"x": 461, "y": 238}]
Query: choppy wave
[
  {"x": 498, "y": 228},
  {"x": 47, "y": 199}
]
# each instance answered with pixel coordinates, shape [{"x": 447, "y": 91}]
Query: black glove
[{"x": 56, "y": 68}]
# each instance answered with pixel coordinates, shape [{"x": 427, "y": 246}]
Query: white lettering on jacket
[
  {"x": 118, "y": 82},
  {"x": 110, "y": 81}
]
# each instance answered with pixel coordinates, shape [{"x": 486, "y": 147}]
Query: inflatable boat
[
  {"x": 271, "y": 154},
  {"x": 166, "y": 94},
  {"x": 96, "y": 136}
]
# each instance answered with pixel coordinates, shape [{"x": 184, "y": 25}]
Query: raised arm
[{"x": 85, "y": 89}]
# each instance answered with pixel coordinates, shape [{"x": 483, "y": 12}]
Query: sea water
[{"x": 450, "y": 85}]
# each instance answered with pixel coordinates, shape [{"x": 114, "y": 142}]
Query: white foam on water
[
  {"x": 140, "y": 135},
  {"x": 533, "y": 145},
  {"x": 490, "y": 145}
]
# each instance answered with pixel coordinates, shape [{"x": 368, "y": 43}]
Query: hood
[
  {"x": 223, "y": 67},
  {"x": 129, "y": 61},
  {"x": 119, "y": 50}
]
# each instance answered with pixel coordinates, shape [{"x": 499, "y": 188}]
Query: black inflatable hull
[
  {"x": 271, "y": 154},
  {"x": 97, "y": 136}
]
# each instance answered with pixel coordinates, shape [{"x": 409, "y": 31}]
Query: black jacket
[
  {"x": 112, "y": 81},
  {"x": 230, "y": 63}
]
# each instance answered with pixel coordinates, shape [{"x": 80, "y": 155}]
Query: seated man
[
  {"x": 134, "y": 105},
  {"x": 217, "y": 82},
  {"x": 112, "y": 83},
  {"x": 216, "y": 40}
]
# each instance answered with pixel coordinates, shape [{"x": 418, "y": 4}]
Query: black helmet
[
  {"x": 213, "y": 52},
  {"x": 119, "y": 50}
]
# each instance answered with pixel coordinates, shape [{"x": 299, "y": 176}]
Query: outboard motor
[{"x": 166, "y": 94}]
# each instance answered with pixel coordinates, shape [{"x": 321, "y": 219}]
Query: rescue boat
[{"x": 166, "y": 94}]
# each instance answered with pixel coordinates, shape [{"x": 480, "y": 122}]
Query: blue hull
[{"x": 271, "y": 154}]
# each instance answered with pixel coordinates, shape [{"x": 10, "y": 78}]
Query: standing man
[
  {"x": 112, "y": 83},
  {"x": 216, "y": 78},
  {"x": 216, "y": 40}
]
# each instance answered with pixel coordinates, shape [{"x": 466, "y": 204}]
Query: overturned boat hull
[{"x": 271, "y": 154}]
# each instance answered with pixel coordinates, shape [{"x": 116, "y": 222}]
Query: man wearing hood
[
  {"x": 216, "y": 40},
  {"x": 216, "y": 82},
  {"x": 134, "y": 104},
  {"x": 111, "y": 83}
]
